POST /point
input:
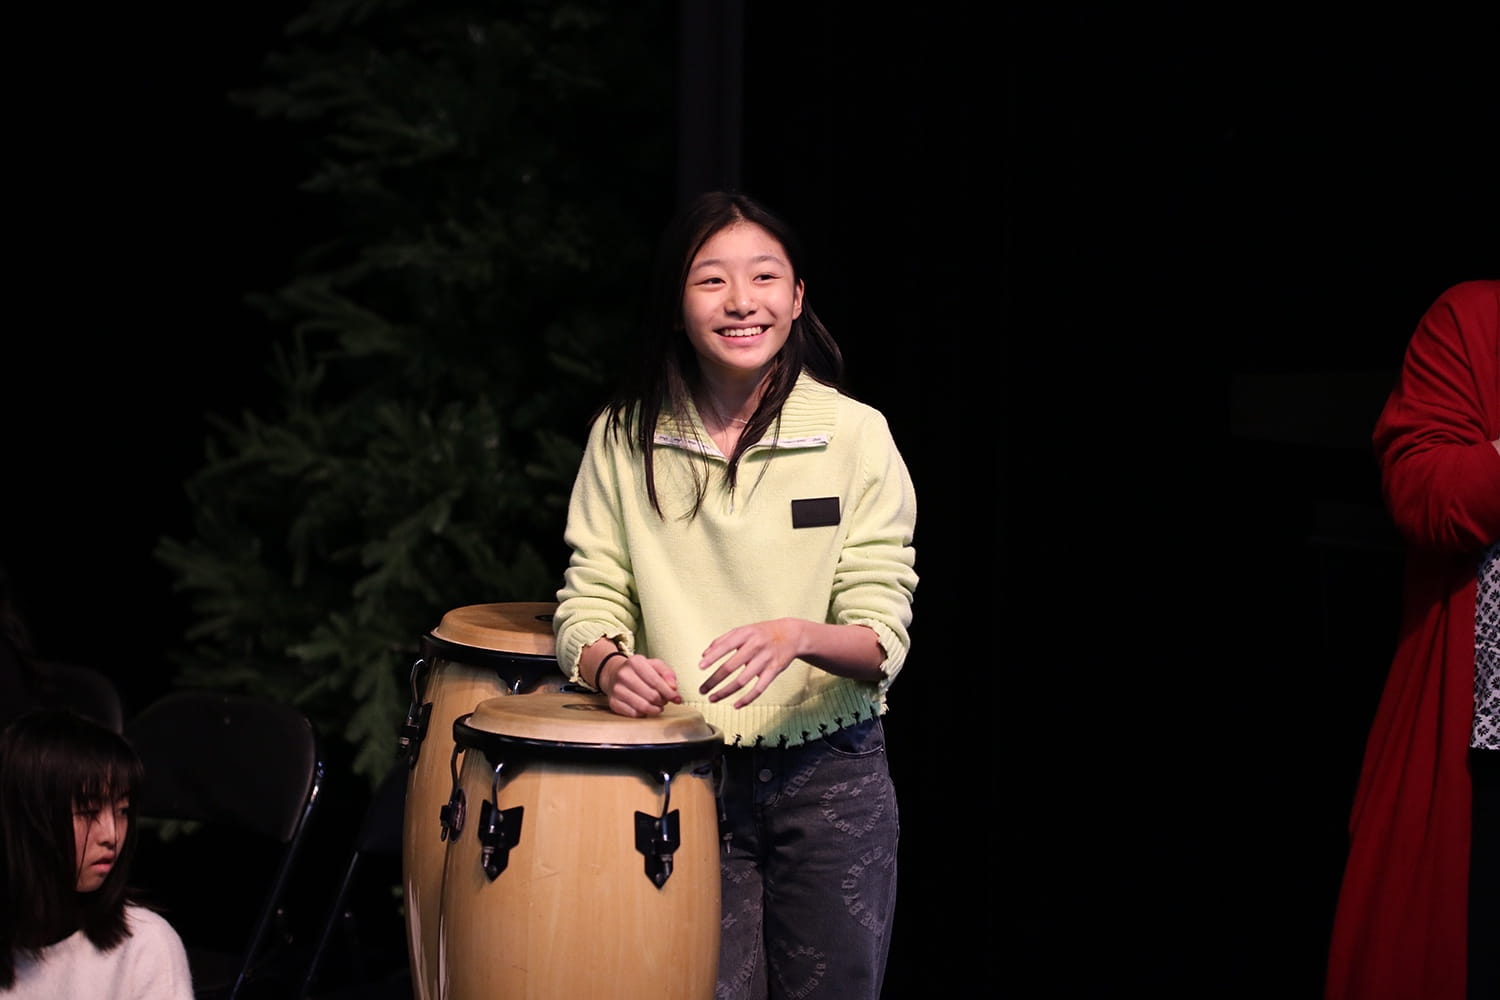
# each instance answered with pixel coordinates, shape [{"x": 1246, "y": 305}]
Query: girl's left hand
[{"x": 754, "y": 656}]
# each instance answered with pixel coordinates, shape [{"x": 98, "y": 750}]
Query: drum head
[
  {"x": 564, "y": 717},
  {"x": 523, "y": 627},
  {"x": 581, "y": 726}
]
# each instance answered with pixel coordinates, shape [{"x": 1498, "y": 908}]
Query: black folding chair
[
  {"x": 232, "y": 781},
  {"x": 372, "y": 950}
]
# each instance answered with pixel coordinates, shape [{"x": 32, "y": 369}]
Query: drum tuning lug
[
  {"x": 416, "y": 668},
  {"x": 413, "y": 732},
  {"x": 657, "y": 838},
  {"x": 499, "y": 831},
  {"x": 451, "y": 816}
]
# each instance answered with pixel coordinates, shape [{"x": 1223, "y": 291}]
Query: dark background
[{"x": 1130, "y": 286}]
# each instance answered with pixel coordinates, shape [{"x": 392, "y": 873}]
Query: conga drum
[
  {"x": 475, "y": 653},
  {"x": 586, "y": 860}
]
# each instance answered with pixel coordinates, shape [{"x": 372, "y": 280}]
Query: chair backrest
[
  {"x": 87, "y": 691},
  {"x": 27, "y": 681},
  {"x": 244, "y": 768}
]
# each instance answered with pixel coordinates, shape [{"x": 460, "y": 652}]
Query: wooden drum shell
[
  {"x": 476, "y": 652},
  {"x": 573, "y": 913}
]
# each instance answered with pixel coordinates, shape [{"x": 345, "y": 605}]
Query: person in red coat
[{"x": 1416, "y": 910}]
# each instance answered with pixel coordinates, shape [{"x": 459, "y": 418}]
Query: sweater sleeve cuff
[
  {"x": 894, "y": 648},
  {"x": 582, "y": 635}
]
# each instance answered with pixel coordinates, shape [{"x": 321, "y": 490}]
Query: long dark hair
[
  {"x": 667, "y": 370},
  {"x": 50, "y": 761}
]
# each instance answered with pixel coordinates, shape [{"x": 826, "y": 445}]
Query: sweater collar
[{"x": 807, "y": 421}]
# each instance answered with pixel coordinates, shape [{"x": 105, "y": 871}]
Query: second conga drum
[
  {"x": 475, "y": 653},
  {"x": 586, "y": 863}
]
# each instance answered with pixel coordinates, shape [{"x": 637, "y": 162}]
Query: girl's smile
[{"x": 739, "y": 302}]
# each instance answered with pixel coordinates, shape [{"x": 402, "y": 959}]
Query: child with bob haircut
[{"x": 70, "y": 927}]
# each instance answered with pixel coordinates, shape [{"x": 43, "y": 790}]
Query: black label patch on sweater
[{"x": 815, "y": 513}]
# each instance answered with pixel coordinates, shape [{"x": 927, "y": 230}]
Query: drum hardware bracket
[
  {"x": 726, "y": 833},
  {"x": 451, "y": 816},
  {"x": 499, "y": 831},
  {"x": 413, "y": 732},
  {"x": 414, "y": 729},
  {"x": 658, "y": 837}
]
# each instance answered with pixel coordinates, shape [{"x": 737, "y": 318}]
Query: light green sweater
[{"x": 667, "y": 587}]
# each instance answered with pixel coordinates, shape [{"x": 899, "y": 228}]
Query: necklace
[{"x": 726, "y": 421}]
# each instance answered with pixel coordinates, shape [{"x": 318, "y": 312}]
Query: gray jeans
[{"x": 809, "y": 878}]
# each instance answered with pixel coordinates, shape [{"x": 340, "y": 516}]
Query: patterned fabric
[
  {"x": 815, "y": 920},
  {"x": 1487, "y": 653}
]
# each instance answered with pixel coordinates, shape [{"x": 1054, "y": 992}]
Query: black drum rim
[
  {"x": 534, "y": 666},
  {"x": 654, "y": 756}
]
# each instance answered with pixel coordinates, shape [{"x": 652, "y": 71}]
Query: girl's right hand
[{"x": 638, "y": 686}]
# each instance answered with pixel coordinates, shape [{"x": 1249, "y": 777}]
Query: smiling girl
[{"x": 741, "y": 543}]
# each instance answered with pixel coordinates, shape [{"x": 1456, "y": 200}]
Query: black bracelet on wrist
[{"x": 599, "y": 673}]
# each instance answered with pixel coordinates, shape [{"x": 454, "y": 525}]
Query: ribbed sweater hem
[{"x": 840, "y": 703}]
